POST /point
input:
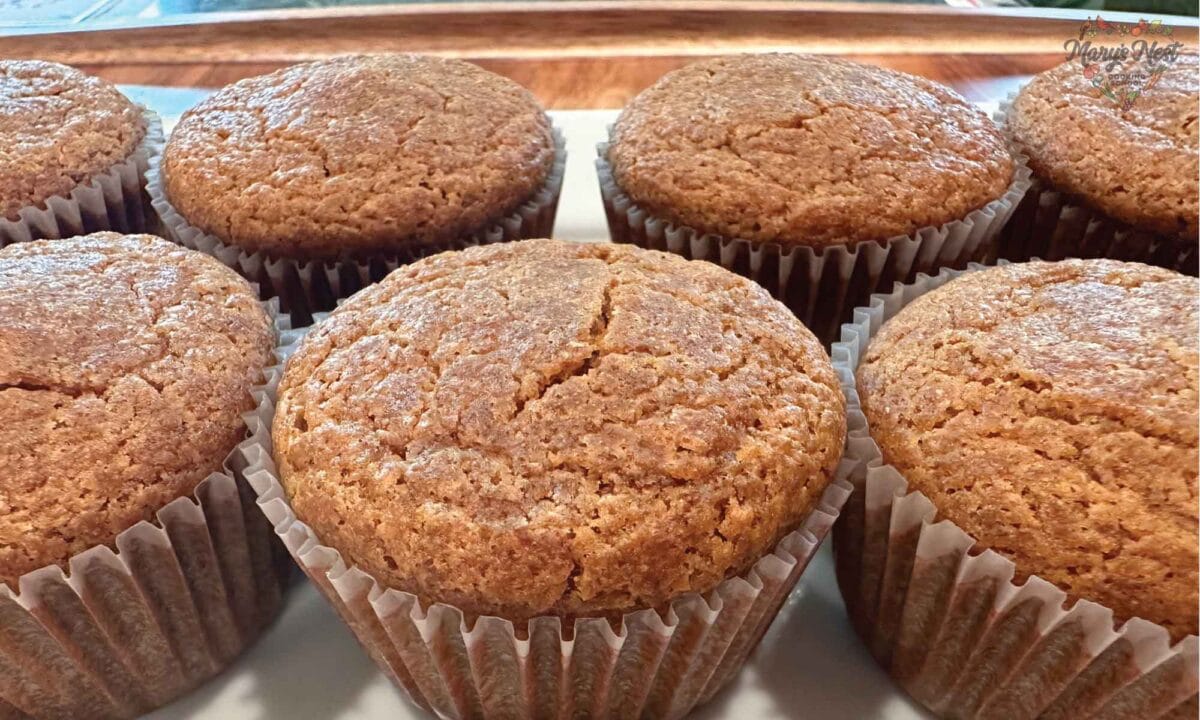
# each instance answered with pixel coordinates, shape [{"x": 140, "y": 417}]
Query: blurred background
[
  {"x": 28, "y": 13},
  {"x": 584, "y": 59},
  {"x": 573, "y": 54},
  {"x": 34, "y": 13}
]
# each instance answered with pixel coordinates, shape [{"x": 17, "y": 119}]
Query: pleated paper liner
[
  {"x": 651, "y": 665},
  {"x": 307, "y": 287},
  {"x": 115, "y": 200},
  {"x": 1053, "y": 225},
  {"x": 953, "y": 626},
  {"x": 820, "y": 285},
  {"x": 128, "y": 631}
]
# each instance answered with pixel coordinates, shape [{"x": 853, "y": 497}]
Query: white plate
[{"x": 810, "y": 666}]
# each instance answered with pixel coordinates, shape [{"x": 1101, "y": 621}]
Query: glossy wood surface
[{"x": 583, "y": 54}]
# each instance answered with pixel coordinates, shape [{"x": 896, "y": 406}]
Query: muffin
[
  {"x": 1046, "y": 413},
  {"x": 126, "y": 364},
  {"x": 819, "y": 177},
  {"x": 316, "y": 179},
  {"x": 544, "y": 439},
  {"x": 73, "y": 153},
  {"x": 1111, "y": 179}
]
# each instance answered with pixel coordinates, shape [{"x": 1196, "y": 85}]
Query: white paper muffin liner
[
  {"x": 305, "y": 287},
  {"x": 127, "y": 631},
  {"x": 114, "y": 200},
  {"x": 1052, "y": 225},
  {"x": 651, "y": 664},
  {"x": 952, "y": 625},
  {"x": 820, "y": 285}
]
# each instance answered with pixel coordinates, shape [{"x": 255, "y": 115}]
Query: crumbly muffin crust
[
  {"x": 1050, "y": 410},
  {"x": 58, "y": 129},
  {"x": 806, "y": 150},
  {"x": 357, "y": 156},
  {"x": 125, "y": 365},
  {"x": 543, "y": 427},
  {"x": 1138, "y": 165}
]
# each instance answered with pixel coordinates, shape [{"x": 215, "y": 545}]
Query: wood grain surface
[
  {"x": 582, "y": 54},
  {"x": 610, "y": 81}
]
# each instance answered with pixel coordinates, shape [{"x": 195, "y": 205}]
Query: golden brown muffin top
[
  {"x": 358, "y": 156},
  {"x": 58, "y": 129},
  {"x": 1137, "y": 165},
  {"x": 1050, "y": 410},
  {"x": 549, "y": 428},
  {"x": 806, "y": 150},
  {"x": 125, "y": 365}
]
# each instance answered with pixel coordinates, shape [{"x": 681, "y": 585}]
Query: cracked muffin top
[
  {"x": 1138, "y": 165},
  {"x": 806, "y": 150},
  {"x": 58, "y": 129},
  {"x": 1050, "y": 410},
  {"x": 125, "y": 365},
  {"x": 548, "y": 428},
  {"x": 357, "y": 156}
]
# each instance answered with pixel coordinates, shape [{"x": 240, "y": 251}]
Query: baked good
[
  {"x": 126, "y": 363},
  {"x": 545, "y": 428},
  {"x": 1137, "y": 164},
  {"x": 1119, "y": 179},
  {"x": 805, "y": 150},
  {"x": 59, "y": 128},
  {"x": 822, "y": 179},
  {"x": 357, "y": 156},
  {"x": 1050, "y": 411}
]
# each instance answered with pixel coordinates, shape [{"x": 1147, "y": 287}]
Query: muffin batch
[{"x": 545, "y": 479}]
